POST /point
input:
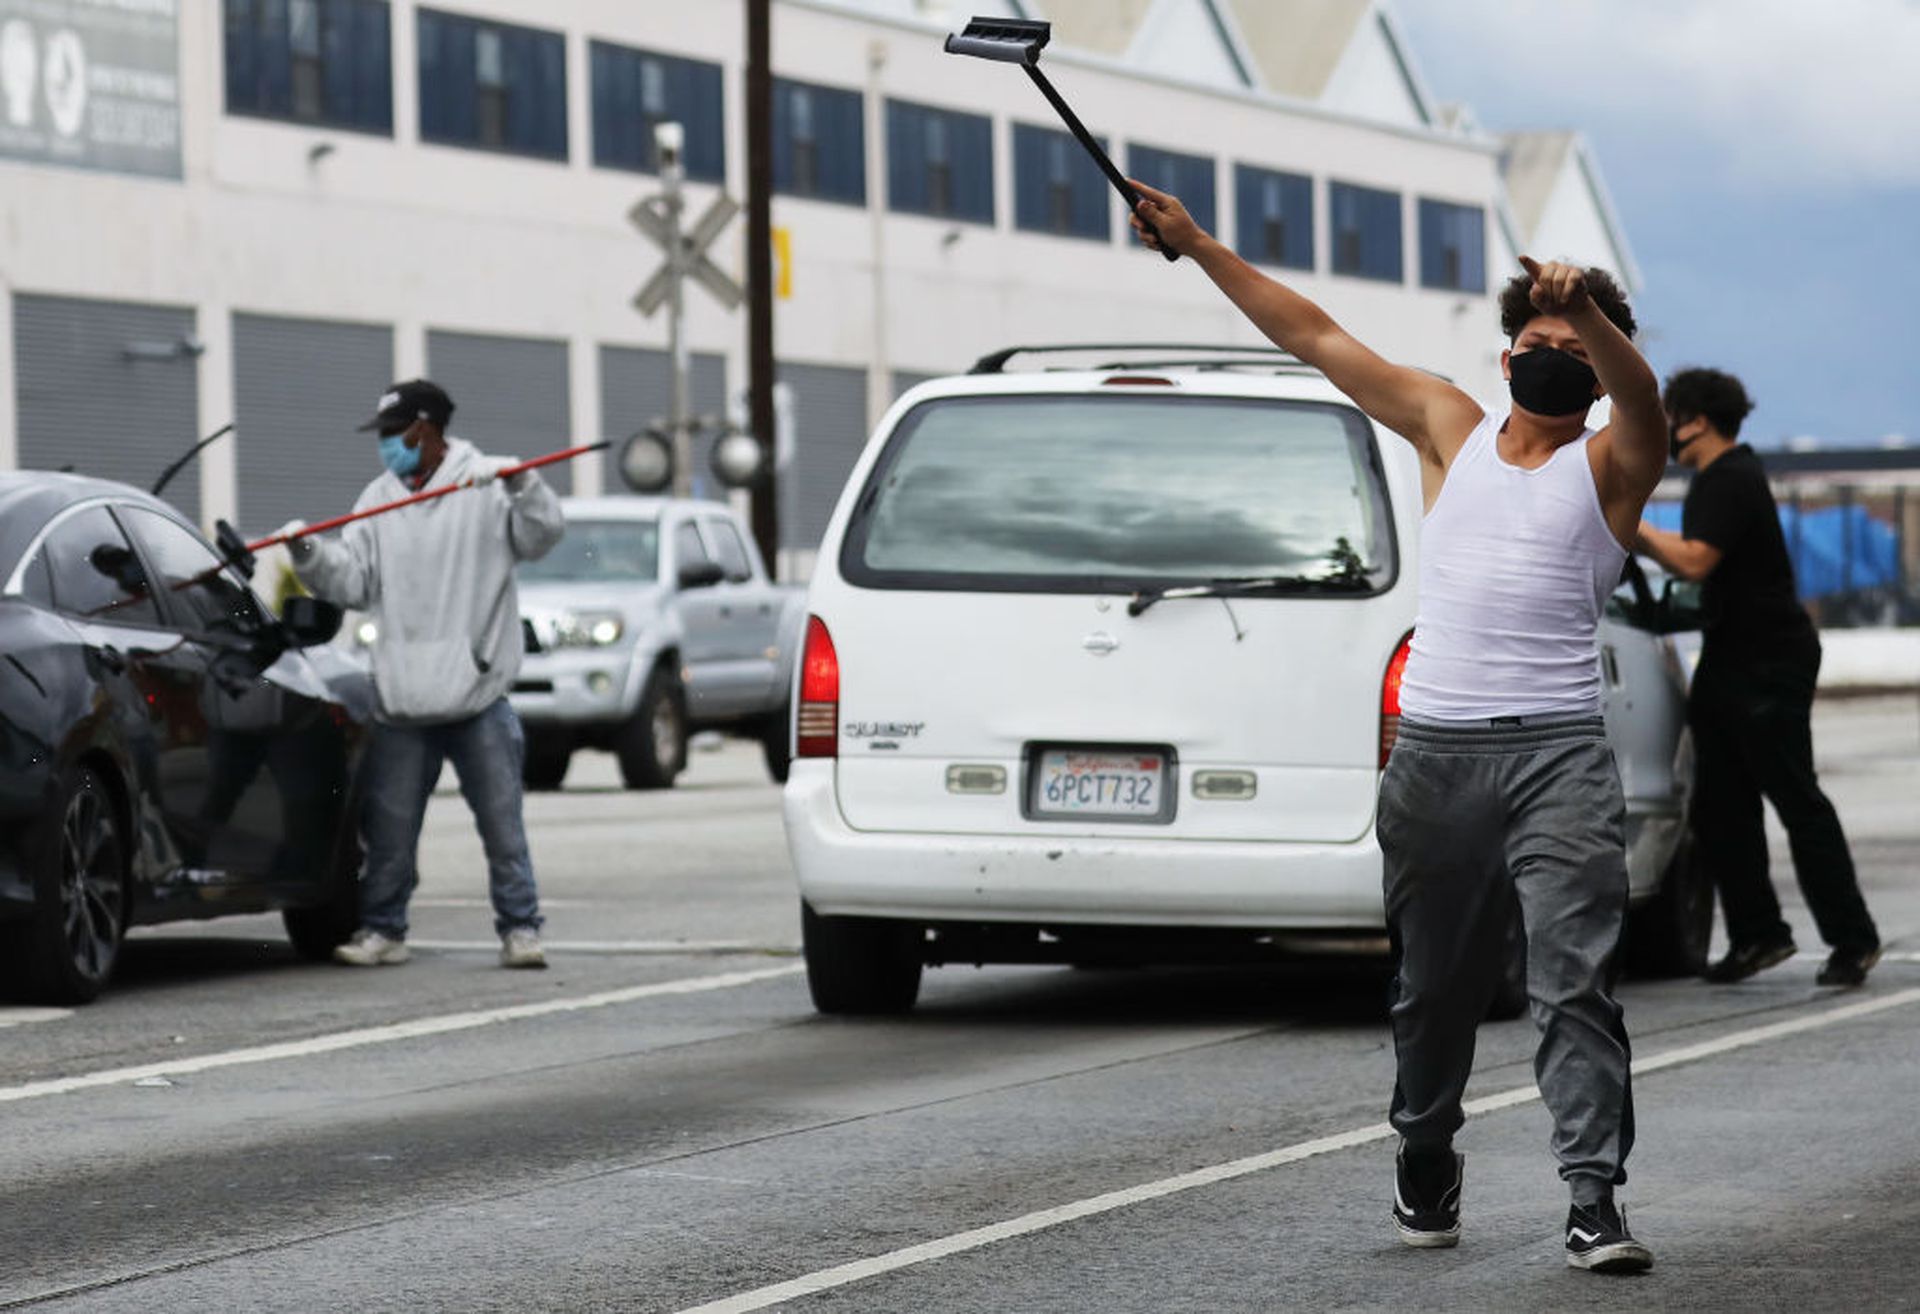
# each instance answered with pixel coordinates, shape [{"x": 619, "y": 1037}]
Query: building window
[
  {"x": 1453, "y": 246},
  {"x": 1366, "y": 232},
  {"x": 819, "y": 142},
  {"x": 939, "y": 162},
  {"x": 1057, "y": 188},
  {"x": 1275, "y": 217},
  {"x": 636, "y": 90},
  {"x": 1189, "y": 177},
  {"x": 492, "y": 85},
  {"x": 312, "y": 61}
]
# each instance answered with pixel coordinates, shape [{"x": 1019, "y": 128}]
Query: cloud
[{"x": 1776, "y": 93}]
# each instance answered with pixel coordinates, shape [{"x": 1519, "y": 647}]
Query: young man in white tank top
[{"x": 1501, "y": 785}]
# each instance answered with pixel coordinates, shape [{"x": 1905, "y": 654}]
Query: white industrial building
[{"x": 261, "y": 211}]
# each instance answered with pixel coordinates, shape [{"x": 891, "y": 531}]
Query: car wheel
[
  {"x": 545, "y": 766},
  {"x": 73, "y": 938},
  {"x": 652, "y": 745},
  {"x": 317, "y": 931},
  {"x": 776, "y": 744},
  {"x": 861, "y": 965},
  {"x": 1669, "y": 934}
]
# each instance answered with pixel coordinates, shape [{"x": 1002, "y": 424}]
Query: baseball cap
[{"x": 414, "y": 399}]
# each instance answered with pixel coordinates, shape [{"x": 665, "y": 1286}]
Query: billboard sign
[{"x": 94, "y": 84}]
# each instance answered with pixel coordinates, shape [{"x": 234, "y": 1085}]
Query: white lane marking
[
  {"x": 861, "y": 1269},
  {"x": 382, "y": 1035},
  {"x": 20, "y": 1017},
  {"x": 614, "y": 946}
]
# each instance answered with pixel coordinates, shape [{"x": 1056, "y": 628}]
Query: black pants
[{"x": 1753, "y": 737}]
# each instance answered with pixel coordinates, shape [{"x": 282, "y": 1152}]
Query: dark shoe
[
  {"x": 1597, "y": 1239},
  {"x": 1426, "y": 1198},
  {"x": 1743, "y": 960},
  {"x": 1848, "y": 968}
]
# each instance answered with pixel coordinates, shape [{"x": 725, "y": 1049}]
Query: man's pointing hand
[{"x": 1557, "y": 289}]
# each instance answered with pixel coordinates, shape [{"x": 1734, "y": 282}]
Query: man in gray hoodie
[{"x": 437, "y": 579}]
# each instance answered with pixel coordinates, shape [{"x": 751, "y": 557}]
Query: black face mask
[
  {"x": 1675, "y": 445},
  {"x": 1548, "y": 381}
]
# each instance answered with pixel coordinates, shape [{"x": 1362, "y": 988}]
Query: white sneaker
[
  {"x": 520, "y": 947},
  {"x": 369, "y": 948}
]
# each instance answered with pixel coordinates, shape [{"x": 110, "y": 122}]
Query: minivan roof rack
[
  {"x": 995, "y": 362},
  {"x": 1213, "y": 364}
]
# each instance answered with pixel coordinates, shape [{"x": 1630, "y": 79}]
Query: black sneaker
[
  {"x": 1848, "y": 967},
  {"x": 1743, "y": 960},
  {"x": 1426, "y": 1199},
  {"x": 1597, "y": 1239}
]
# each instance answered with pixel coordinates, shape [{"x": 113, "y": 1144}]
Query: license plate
[{"x": 1123, "y": 784}]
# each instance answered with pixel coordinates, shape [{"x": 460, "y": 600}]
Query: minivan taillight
[
  {"x": 1390, "y": 698},
  {"x": 816, "y": 727}
]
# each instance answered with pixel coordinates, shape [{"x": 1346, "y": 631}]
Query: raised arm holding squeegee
[
  {"x": 1019, "y": 41},
  {"x": 287, "y": 534}
]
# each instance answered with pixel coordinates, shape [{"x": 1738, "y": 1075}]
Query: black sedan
[{"x": 168, "y": 748}]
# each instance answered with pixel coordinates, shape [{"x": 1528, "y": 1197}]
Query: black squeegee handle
[{"x": 1085, "y": 138}]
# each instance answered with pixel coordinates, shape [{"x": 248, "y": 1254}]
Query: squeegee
[
  {"x": 1019, "y": 41},
  {"x": 239, "y": 553}
]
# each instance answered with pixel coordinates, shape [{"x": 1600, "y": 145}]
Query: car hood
[{"x": 554, "y": 596}]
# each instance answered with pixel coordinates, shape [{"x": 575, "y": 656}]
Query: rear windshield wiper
[{"x": 1242, "y": 586}]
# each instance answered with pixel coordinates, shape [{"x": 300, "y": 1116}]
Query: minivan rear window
[{"x": 1097, "y": 494}]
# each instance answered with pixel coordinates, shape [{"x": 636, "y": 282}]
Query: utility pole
[
  {"x": 760, "y": 367},
  {"x": 669, "y": 141}
]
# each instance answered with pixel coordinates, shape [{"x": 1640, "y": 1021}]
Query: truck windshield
[
  {"x": 601, "y": 551},
  {"x": 1091, "y": 494}
]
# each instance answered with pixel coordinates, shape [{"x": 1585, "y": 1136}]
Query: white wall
[
  {"x": 391, "y": 231},
  {"x": 1370, "y": 81},
  {"x": 1571, "y": 226}
]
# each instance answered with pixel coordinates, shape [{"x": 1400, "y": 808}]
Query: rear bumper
[{"x": 1073, "y": 880}]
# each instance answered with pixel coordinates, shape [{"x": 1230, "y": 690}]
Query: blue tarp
[{"x": 1835, "y": 549}]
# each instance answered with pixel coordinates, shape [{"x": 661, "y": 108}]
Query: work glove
[
  {"x": 489, "y": 469},
  {"x": 301, "y": 549}
]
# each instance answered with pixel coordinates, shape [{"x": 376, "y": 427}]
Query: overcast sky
[{"x": 1765, "y": 159}]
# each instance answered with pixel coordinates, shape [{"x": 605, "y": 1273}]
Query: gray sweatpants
[{"x": 1471, "y": 816}]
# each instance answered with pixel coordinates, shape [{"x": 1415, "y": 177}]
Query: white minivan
[{"x": 1102, "y": 665}]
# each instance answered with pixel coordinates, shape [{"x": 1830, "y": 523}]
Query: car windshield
[
  {"x": 1076, "y": 493},
  {"x": 601, "y": 552}
]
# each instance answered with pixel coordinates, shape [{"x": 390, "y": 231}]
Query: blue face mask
[{"x": 397, "y": 456}]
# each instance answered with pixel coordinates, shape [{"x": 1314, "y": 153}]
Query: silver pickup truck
[{"x": 653, "y": 618}]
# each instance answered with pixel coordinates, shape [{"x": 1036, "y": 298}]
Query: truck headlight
[
  {"x": 365, "y": 633},
  {"x": 588, "y": 629}
]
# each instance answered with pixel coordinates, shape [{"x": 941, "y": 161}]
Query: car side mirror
[
  {"x": 1680, "y": 607},
  {"x": 701, "y": 574},
  {"x": 310, "y": 622}
]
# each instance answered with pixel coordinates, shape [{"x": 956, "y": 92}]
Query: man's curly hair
[
  {"x": 1517, "y": 309},
  {"x": 1711, "y": 395}
]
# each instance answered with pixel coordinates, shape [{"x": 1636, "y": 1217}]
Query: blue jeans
[{"x": 404, "y": 761}]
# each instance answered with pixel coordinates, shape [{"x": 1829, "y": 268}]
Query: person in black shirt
[{"x": 1751, "y": 703}]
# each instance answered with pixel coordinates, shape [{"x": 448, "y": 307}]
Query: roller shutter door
[
  {"x": 829, "y": 432},
  {"x": 96, "y": 390},
  {"x": 636, "y": 389},
  {"x": 510, "y": 395},
  {"x": 301, "y": 387}
]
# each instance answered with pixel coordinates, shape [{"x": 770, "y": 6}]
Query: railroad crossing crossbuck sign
[{"x": 686, "y": 252}]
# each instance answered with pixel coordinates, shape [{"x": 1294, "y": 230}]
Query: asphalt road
[{"x": 660, "y": 1122}]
